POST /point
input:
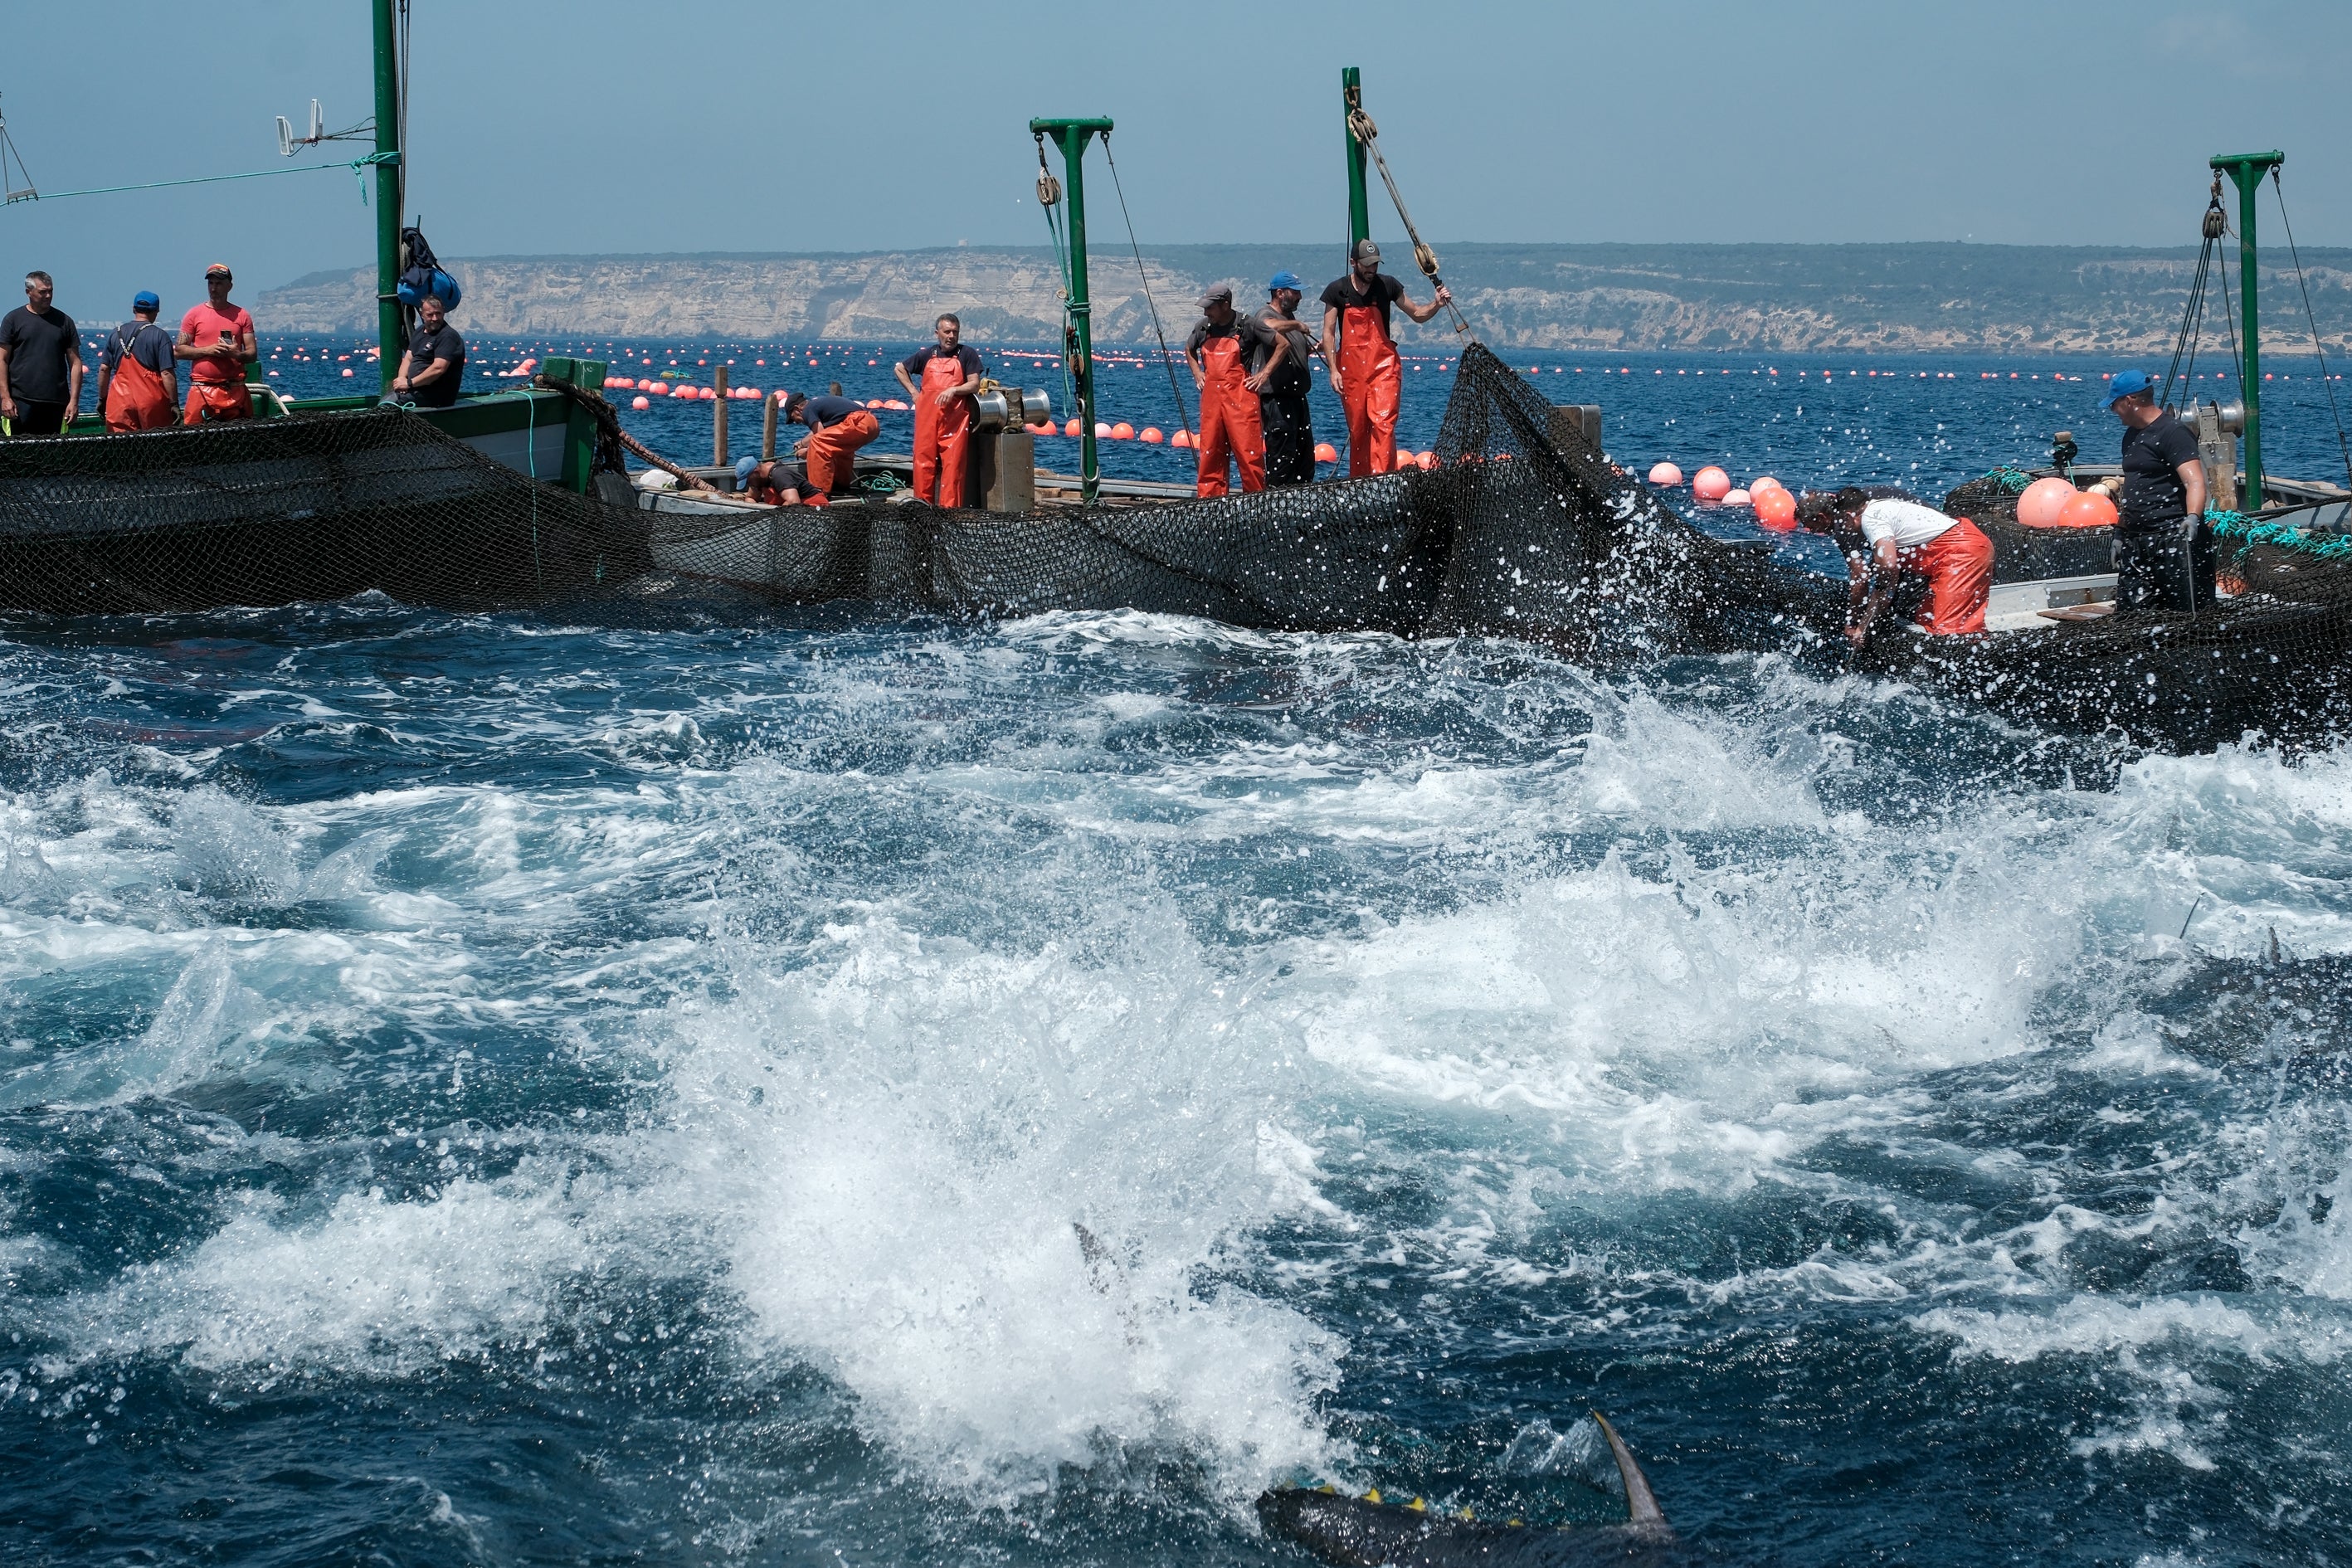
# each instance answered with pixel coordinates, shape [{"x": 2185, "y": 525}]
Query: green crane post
[
  {"x": 2246, "y": 169},
  {"x": 1360, "y": 211},
  {"x": 387, "y": 196},
  {"x": 1072, "y": 136}
]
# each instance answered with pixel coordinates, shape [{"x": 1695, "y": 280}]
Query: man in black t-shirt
[
  {"x": 435, "y": 361},
  {"x": 1231, "y": 357},
  {"x": 1361, "y": 352},
  {"x": 40, "y": 362},
  {"x": 942, "y": 380},
  {"x": 1282, "y": 402},
  {"x": 838, "y": 426},
  {"x": 2164, "y": 547}
]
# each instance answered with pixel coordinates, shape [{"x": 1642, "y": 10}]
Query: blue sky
[{"x": 688, "y": 125}]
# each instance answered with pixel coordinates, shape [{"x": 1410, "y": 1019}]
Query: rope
[
  {"x": 1049, "y": 196},
  {"x": 1166, "y": 359},
  {"x": 1367, "y": 136},
  {"x": 358, "y": 166},
  {"x": 2237, "y": 525},
  {"x": 608, "y": 426},
  {"x": 2342, "y": 446}
]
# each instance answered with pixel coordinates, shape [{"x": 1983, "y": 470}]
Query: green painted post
[
  {"x": 2246, "y": 169},
  {"x": 1359, "y": 211},
  {"x": 387, "y": 196},
  {"x": 1072, "y": 136}
]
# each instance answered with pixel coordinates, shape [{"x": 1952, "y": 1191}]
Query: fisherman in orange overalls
[
  {"x": 1887, "y": 538},
  {"x": 218, "y": 336},
  {"x": 838, "y": 426},
  {"x": 1232, "y": 356},
  {"x": 137, "y": 373},
  {"x": 1362, "y": 355},
  {"x": 942, "y": 380}
]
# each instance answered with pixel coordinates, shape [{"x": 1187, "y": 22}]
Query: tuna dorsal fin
[{"x": 1641, "y": 1509}]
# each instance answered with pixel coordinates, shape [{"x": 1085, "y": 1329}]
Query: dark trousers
[
  {"x": 38, "y": 418},
  {"x": 2157, "y": 569},
  {"x": 1289, "y": 438}
]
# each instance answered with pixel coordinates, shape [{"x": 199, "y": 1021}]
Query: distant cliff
[{"x": 1598, "y": 297}]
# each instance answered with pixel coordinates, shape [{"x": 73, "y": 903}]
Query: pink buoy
[
  {"x": 1102, "y": 431},
  {"x": 2044, "y": 501},
  {"x": 641, "y": 401},
  {"x": 1666, "y": 474},
  {"x": 347, "y": 373},
  {"x": 1735, "y": 498},
  {"x": 1763, "y": 483},
  {"x": 1710, "y": 483}
]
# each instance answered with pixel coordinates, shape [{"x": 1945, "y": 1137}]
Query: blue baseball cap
[
  {"x": 145, "y": 300},
  {"x": 1284, "y": 280},
  {"x": 743, "y": 467},
  {"x": 2126, "y": 382}
]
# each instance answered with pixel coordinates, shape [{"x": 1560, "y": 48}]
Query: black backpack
[{"x": 421, "y": 277}]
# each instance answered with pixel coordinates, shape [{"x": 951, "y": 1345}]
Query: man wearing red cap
[{"x": 217, "y": 337}]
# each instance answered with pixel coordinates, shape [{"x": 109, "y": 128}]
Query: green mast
[
  {"x": 387, "y": 195},
  {"x": 1072, "y": 136},
  {"x": 2247, "y": 169},
  {"x": 1360, "y": 211}
]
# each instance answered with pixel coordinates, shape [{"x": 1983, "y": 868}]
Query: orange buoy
[
  {"x": 1181, "y": 438},
  {"x": 1427, "y": 460},
  {"x": 1071, "y": 428},
  {"x": 347, "y": 373},
  {"x": 1325, "y": 453},
  {"x": 1710, "y": 483},
  {"x": 1406, "y": 460},
  {"x": 873, "y": 402},
  {"x": 1122, "y": 431},
  {"x": 1736, "y": 498},
  {"x": 641, "y": 401},
  {"x": 1149, "y": 436},
  {"x": 1776, "y": 508},
  {"x": 1666, "y": 474},
  {"x": 2090, "y": 508},
  {"x": 2042, "y": 500}
]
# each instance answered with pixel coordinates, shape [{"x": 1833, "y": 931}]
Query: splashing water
[{"x": 921, "y": 1092}]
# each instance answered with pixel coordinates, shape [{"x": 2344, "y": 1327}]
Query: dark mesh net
[
  {"x": 270, "y": 511},
  {"x": 1513, "y": 532}
]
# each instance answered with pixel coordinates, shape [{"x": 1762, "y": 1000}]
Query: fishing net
[{"x": 313, "y": 507}]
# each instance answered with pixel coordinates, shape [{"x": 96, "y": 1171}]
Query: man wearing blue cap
[
  {"x": 2164, "y": 547},
  {"x": 1282, "y": 402},
  {"x": 138, "y": 374}
]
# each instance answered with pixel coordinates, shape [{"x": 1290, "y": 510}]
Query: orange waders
[
  {"x": 1229, "y": 420},
  {"x": 1372, "y": 379},
  {"x": 941, "y": 435},
  {"x": 833, "y": 451}
]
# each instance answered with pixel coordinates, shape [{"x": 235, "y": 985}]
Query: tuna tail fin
[{"x": 1642, "y": 1510}]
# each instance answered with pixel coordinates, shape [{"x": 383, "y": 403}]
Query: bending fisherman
[
  {"x": 2164, "y": 547},
  {"x": 838, "y": 426},
  {"x": 942, "y": 380},
  {"x": 1885, "y": 540},
  {"x": 1361, "y": 352},
  {"x": 774, "y": 483},
  {"x": 1231, "y": 357},
  {"x": 137, "y": 373}
]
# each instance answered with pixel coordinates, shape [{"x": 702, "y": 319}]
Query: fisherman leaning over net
[
  {"x": 1883, "y": 540},
  {"x": 217, "y": 337},
  {"x": 1361, "y": 352},
  {"x": 943, "y": 380},
  {"x": 2164, "y": 547},
  {"x": 838, "y": 426}
]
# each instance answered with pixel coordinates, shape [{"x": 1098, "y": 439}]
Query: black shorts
[
  {"x": 2157, "y": 569},
  {"x": 38, "y": 418},
  {"x": 1289, "y": 439}
]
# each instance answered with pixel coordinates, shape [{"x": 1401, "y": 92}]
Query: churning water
[{"x": 815, "y": 1089}]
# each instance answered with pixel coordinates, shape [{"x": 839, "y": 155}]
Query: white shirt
[{"x": 1907, "y": 522}]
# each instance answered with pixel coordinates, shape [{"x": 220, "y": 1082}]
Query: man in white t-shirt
[{"x": 1884, "y": 538}]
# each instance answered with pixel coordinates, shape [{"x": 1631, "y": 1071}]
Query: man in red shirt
[{"x": 217, "y": 337}]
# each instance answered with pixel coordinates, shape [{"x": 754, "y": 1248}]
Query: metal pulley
[
  {"x": 2217, "y": 221},
  {"x": 1049, "y": 190},
  {"x": 995, "y": 407}
]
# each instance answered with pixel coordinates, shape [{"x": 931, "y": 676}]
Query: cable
[
  {"x": 2279, "y": 190},
  {"x": 356, "y": 166},
  {"x": 1166, "y": 359}
]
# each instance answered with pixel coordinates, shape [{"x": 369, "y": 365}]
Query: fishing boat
[{"x": 491, "y": 502}]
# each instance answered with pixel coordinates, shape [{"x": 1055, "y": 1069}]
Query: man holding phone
[{"x": 217, "y": 337}]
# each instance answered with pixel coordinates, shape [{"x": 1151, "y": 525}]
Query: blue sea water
[{"x": 544, "y": 1089}]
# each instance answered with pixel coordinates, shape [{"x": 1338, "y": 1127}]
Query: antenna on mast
[{"x": 289, "y": 144}]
